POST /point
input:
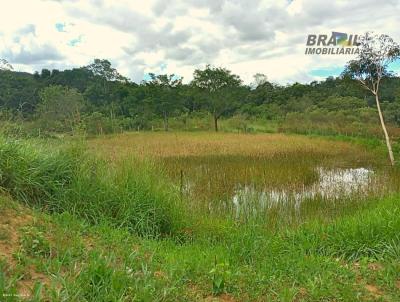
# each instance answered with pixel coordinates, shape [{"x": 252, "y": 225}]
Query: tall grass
[{"x": 129, "y": 195}]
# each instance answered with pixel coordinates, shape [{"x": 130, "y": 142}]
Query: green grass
[
  {"x": 101, "y": 230},
  {"x": 316, "y": 262},
  {"x": 129, "y": 196}
]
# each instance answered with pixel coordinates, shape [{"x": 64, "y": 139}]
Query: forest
[{"x": 97, "y": 99}]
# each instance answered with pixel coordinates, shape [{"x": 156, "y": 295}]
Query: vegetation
[
  {"x": 103, "y": 223},
  {"x": 371, "y": 67},
  {"x": 66, "y": 180}
]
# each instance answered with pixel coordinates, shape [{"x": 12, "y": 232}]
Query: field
[{"x": 199, "y": 217}]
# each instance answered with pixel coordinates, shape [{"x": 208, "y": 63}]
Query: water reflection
[{"x": 332, "y": 184}]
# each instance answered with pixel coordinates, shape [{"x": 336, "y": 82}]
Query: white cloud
[{"x": 248, "y": 37}]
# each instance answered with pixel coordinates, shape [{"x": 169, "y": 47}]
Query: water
[{"x": 332, "y": 184}]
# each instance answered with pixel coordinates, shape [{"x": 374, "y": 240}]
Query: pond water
[
  {"x": 332, "y": 184},
  {"x": 250, "y": 186}
]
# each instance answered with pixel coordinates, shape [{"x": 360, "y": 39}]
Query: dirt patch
[
  {"x": 201, "y": 295},
  {"x": 374, "y": 290},
  {"x": 301, "y": 294},
  {"x": 375, "y": 266},
  {"x": 26, "y": 285},
  {"x": 12, "y": 220}
]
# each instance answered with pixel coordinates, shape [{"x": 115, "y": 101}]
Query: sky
[{"x": 159, "y": 36}]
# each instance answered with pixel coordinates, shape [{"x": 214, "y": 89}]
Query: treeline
[{"x": 98, "y": 100}]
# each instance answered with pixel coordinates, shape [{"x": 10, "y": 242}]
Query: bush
[{"x": 127, "y": 195}]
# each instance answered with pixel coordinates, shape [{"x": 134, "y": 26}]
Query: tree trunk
[
  {"x": 216, "y": 123},
  {"x": 165, "y": 121},
  {"x": 389, "y": 146}
]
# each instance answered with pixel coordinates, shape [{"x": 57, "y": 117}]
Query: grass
[
  {"x": 131, "y": 196},
  {"x": 353, "y": 258},
  {"x": 173, "y": 144},
  {"x": 210, "y": 169},
  {"x": 112, "y": 224}
]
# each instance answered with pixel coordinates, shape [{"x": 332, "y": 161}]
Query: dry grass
[{"x": 183, "y": 144}]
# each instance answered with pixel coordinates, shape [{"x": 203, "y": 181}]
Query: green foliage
[
  {"x": 220, "y": 275},
  {"x": 129, "y": 196},
  {"x": 34, "y": 243},
  {"x": 98, "y": 99},
  {"x": 31, "y": 175},
  {"x": 219, "y": 88},
  {"x": 18, "y": 93},
  {"x": 164, "y": 95},
  {"x": 60, "y": 108}
]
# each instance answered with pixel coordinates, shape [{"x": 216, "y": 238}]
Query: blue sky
[
  {"x": 326, "y": 72},
  {"x": 337, "y": 70}
]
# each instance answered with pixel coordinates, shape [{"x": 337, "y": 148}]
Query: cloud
[
  {"x": 33, "y": 54},
  {"x": 25, "y": 48},
  {"x": 140, "y": 36}
]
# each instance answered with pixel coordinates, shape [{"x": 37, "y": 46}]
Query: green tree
[
  {"x": 100, "y": 91},
  {"x": 220, "y": 89},
  {"x": 164, "y": 92},
  {"x": 18, "y": 92},
  {"x": 371, "y": 67},
  {"x": 104, "y": 70},
  {"x": 60, "y": 108}
]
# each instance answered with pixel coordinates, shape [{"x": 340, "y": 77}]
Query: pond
[{"x": 258, "y": 187}]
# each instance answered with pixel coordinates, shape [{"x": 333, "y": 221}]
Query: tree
[
  {"x": 60, "y": 107},
  {"x": 220, "y": 88},
  {"x": 18, "y": 92},
  {"x": 164, "y": 92},
  {"x": 45, "y": 74},
  {"x": 104, "y": 70},
  {"x": 262, "y": 91},
  {"x": 106, "y": 78},
  {"x": 4, "y": 65},
  {"x": 259, "y": 80},
  {"x": 371, "y": 67}
]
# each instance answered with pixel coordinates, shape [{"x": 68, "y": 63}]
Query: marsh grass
[
  {"x": 216, "y": 172},
  {"x": 180, "y": 144}
]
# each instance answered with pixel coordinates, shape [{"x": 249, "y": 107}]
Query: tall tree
[
  {"x": 100, "y": 91},
  {"x": 371, "y": 67},
  {"x": 164, "y": 92},
  {"x": 104, "y": 70},
  {"x": 259, "y": 80},
  {"x": 219, "y": 87}
]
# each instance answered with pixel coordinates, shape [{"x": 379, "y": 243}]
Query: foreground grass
[
  {"x": 62, "y": 258},
  {"x": 92, "y": 230},
  {"x": 68, "y": 179}
]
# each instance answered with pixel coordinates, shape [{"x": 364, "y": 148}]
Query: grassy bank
[
  {"x": 114, "y": 227},
  {"x": 62, "y": 258},
  {"x": 63, "y": 179}
]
